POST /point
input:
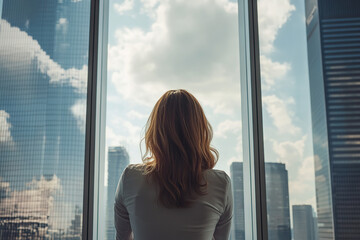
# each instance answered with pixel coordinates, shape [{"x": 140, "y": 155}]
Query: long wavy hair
[{"x": 177, "y": 139}]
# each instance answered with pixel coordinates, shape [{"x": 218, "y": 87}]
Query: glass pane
[
  {"x": 155, "y": 46},
  {"x": 310, "y": 98},
  {"x": 43, "y": 84}
]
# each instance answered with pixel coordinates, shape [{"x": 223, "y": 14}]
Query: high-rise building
[
  {"x": 43, "y": 84},
  {"x": 277, "y": 201},
  {"x": 303, "y": 222},
  {"x": 333, "y": 44},
  {"x": 238, "y": 226},
  {"x": 118, "y": 159}
]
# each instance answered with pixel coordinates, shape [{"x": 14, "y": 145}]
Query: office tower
[
  {"x": 238, "y": 225},
  {"x": 303, "y": 222},
  {"x": 43, "y": 85},
  {"x": 333, "y": 44},
  {"x": 118, "y": 159},
  {"x": 277, "y": 201}
]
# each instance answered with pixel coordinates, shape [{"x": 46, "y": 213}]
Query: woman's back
[{"x": 138, "y": 210}]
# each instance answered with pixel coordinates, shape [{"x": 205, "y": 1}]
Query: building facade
[
  {"x": 304, "y": 223},
  {"x": 118, "y": 159},
  {"x": 237, "y": 183},
  {"x": 277, "y": 200},
  {"x": 333, "y": 43},
  {"x": 43, "y": 86}
]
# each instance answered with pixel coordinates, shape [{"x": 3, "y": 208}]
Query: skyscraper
[
  {"x": 303, "y": 222},
  {"x": 277, "y": 199},
  {"x": 118, "y": 159},
  {"x": 43, "y": 85},
  {"x": 333, "y": 44},
  {"x": 238, "y": 226}
]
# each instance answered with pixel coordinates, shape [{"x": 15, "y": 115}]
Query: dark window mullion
[
  {"x": 88, "y": 210},
  {"x": 259, "y": 164}
]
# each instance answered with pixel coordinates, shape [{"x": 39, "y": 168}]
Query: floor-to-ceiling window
[
  {"x": 43, "y": 88},
  {"x": 155, "y": 46},
  {"x": 309, "y": 61},
  {"x": 305, "y": 124}
]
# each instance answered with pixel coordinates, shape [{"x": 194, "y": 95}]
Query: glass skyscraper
[
  {"x": 333, "y": 39},
  {"x": 277, "y": 200},
  {"x": 303, "y": 222},
  {"x": 43, "y": 86},
  {"x": 118, "y": 159},
  {"x": 237, "y": 181}
]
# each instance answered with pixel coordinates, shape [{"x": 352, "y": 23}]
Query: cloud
[
  {"x": 302, "y": 188},
  {"x": 15, "y": 42},
  {"x": 272, "y": 71},
  {"x": 226, "y": 127},
  {"x": 289, "y": 152},
  {"x": 125, "y": 6},
  {"x": 191, "y": 45},
  {"x": 272, "y": 16},
  {"x": 35, "y": 201},
  {"x": 300, "y": 170},
  {"x": 282, "y": 117},
  {"x": 62, "y": 25},
  {"x": 79, "y": 112},
  {"x": 230, "y": 131},
  {"x": 21, "y": 53},
  {"x": 132, "y": 114},
  {"x": 5, "y": 126}
]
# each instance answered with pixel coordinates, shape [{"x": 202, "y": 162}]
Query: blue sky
[{"x": 156, "y": 45}]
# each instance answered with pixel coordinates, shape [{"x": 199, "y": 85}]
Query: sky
[{"x": 157, "y": 45}]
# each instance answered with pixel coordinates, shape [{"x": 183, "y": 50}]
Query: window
[
  {"x": 157, "y": 46},
  {"x": 43, "y": 86},
  {"x": 278, "y": 80}
]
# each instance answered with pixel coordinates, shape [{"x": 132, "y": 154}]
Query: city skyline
[{"x": 49, "y": 83}]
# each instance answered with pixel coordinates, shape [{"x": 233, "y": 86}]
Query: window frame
[{"x": 253, "y": 144}]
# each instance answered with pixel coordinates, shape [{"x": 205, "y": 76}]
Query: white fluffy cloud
[
  {"x": 79, "y": 112},
  {"x": 300, "y": 170},
  {"x": 281, "y": 114},
  {"x": 5, "y": 126},
  {"x": 15, "y": 42},
  {"x": 35, "y": 201},
  {"x": 272, "y": 16},
  {"x": 290, "y": 152},
  {"x": 19, "y": 52},
  {"x": 272, "y": 71},
  {"x": 123, "y": 7},
  {"x": 302, "y": 188},
  {"x": 226, "y": 127},
  {"x": 191, "y": 45}
]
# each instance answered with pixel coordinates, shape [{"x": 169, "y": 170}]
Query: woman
[{"x": 175, "y": 193}]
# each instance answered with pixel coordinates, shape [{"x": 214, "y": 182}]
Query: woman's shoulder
[
  {"x": 217, "y": 176},
  {"x": 132, "y": 169}
]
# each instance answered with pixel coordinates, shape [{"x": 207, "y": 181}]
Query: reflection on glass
[
  {"x": 155, "y": 46},
  {"x": 289, "y": 159},
  {"x": 333, "y": 44},
  {"x": 118, "y": 159},
  {"x": 323, "y": 173},
  {"x": 43, "y": 84}
]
